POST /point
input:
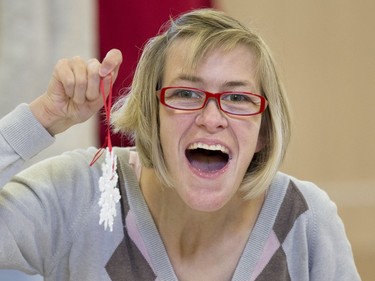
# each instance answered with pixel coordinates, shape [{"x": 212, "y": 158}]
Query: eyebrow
[
  {"x": 226, "y": 84},
  {"x": 189, "y": 78},
  {"x": 238, "y": 83}
]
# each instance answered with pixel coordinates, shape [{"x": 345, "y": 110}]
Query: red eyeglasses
[{"x": 236, "y": 103}]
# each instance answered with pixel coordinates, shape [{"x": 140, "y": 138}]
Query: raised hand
[{"x": 73, "y": 93}]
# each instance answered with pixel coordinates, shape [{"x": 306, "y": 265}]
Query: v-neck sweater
[{"x": 49, "y": 216}]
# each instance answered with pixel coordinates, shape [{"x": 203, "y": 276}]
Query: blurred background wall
[
  {"x": 34, "y": 34},
  {"x": 326, "y": 56}
]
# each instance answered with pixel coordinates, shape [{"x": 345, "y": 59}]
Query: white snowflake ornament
[{"x": 110, "y": 194}]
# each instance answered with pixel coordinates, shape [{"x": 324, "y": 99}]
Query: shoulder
[
  {"x": 306, "y": 207},
  {"x": 307, "y": 195},
  {"x": 317, "y": 200},
  {"x": 311, "y": 232},
  {"x": 65, "y": 168},
  {"x": 318, "y": 217},
  {"x": 65, "y": 183}
]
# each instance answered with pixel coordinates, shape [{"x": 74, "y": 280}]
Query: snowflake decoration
[{"x": 110, "y": 195}]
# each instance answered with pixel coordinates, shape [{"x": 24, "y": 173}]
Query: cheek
[
  {"x": 171, "y": 130},
  {"x": 173, "y": 125},
  {"x": 249, "y": 133},
  {"x": 249, "y": 141},
  {"x": 165, "y": 130}
]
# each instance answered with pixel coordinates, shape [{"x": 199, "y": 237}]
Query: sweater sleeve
[
  {"x": 21, "y": 138},
  {"x": 45, "y": 205},
  {"x": 330, "y": 254}
]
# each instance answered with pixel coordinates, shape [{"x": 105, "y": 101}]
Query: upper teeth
[{"x": 209, "y": 147}]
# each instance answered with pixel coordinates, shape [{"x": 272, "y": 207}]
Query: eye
[
  {"x": 185, "y": 94},
  {"x": 237, "y": 98},
  {"x": 240, "y": 98}
]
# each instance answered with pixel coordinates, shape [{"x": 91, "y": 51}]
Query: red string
[{"x": 107, "y": 110}]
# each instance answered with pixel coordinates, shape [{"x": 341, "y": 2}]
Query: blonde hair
[{"x": 137, "y": 113}]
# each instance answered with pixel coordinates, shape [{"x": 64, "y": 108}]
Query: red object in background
[{"x": 127, "y": 25}]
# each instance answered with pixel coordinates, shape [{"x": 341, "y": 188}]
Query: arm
[
  {"x": 72, "y": 97},
  {"x": 32, "y": 202},
  {"x": 21, "y": 137}
]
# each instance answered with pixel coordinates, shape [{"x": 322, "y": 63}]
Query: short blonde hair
[{"x": 137, "y": 113}]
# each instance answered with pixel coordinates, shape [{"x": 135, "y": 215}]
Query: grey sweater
[{"x": 49, "y": 218}]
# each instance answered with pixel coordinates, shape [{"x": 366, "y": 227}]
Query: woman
[{"x": 201, "y": 195}]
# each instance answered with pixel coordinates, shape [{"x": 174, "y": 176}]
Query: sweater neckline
[{"x": 159, "y": 258}]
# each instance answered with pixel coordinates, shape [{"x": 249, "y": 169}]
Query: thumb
[{"x": 111, "y": 63}]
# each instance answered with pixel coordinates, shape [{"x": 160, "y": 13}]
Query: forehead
[
  {"x": 216, "y": 63},
  {"x": 194, "y": 49}
]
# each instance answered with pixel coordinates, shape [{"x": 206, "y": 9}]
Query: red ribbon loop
[{"x": 107, "y": 110}]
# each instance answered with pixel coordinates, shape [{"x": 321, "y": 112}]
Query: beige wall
[{"x": 326, "y": 54}]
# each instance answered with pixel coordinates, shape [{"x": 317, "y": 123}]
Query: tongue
[{"x": 207, "y": 161}]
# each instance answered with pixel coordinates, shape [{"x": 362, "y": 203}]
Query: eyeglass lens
[{"x": 231, "y": 102}]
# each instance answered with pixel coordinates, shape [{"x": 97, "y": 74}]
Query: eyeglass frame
[{"x": 216, "y": 96}]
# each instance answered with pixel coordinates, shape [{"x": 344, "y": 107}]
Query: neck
[{"x": 189, "y": 231}]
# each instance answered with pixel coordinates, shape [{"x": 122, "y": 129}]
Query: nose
[{"x": 211, "y": 117}]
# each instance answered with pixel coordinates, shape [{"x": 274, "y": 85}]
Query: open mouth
[{"x": 207, "y": 158}]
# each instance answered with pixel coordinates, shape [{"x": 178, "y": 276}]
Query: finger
[
  {"x": 63, "y": 76},
  {"x": 92, "y": 92},
  {"x": 79, "y": 69},
  {"x": 111, "y": 63}
]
